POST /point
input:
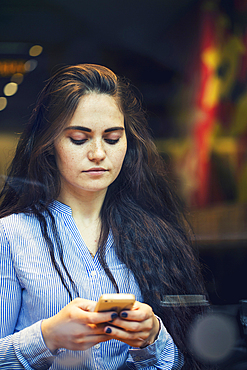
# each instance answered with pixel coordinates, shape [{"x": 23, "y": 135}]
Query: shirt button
[
  {"x": 93, "y": 273},
  {"x": 97, "y": 346}
]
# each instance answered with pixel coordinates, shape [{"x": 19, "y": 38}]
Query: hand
[
  {"x": 137, "y": 327},
  {"x": 76, "y": 326}
]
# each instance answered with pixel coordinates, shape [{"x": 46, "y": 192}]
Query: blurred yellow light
[
  {"x": 35, "y": 50},
  {"x": 17, "y": 78},
  {"x": 10, "y": 89},
  {"x": 3, "y": 103},
  {"x": 30, "y": 65}
]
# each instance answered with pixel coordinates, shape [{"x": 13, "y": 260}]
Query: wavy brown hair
[{"x": 144, "y": 214}]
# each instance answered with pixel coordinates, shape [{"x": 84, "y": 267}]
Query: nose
[{"x": 96, "y": 152}]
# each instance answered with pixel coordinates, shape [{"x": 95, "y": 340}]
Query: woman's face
[{"x": 91, "y": 149}]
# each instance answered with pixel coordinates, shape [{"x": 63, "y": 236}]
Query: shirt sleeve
[
  {"x": 162, "y": 354},
  {"x": 24, "y": 349}
]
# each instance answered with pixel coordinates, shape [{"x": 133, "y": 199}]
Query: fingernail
[
  {"x": 124, "y": 314},
  {"x": 108, "y": 330},
  {"x": 114, "y": 316}
]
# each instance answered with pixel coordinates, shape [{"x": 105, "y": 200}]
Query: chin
[{"x": 95, "y": 190}]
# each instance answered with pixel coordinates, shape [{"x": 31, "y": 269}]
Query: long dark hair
[{"x": 146, "y": 219}]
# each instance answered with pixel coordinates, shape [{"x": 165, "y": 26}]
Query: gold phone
[{"x": 115, "y": 302}]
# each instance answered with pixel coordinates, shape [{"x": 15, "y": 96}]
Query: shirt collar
[
  {"x": 60, "y": 207},
  {"x": 65, "y": 209}
]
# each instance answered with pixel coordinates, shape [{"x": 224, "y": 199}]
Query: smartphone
[{"x": 115, "y": 302}]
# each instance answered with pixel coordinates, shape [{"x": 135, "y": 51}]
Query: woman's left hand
[{"x": 137, "y": 327}]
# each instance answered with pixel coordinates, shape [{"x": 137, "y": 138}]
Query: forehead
[{"x": 100, "y": 109}]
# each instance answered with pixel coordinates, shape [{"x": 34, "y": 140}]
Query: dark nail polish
[
  {"x": 124, "y": 314},
  {"x": 114, "y": 316},
  {"x": 108, "y": 330}
]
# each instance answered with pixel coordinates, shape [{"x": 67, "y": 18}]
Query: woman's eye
[
  {"x": 112, "y": 141},
  {"x": 78, "y": 142}
]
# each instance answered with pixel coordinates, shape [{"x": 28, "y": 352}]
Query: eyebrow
[{"x": 81, "y": 128}]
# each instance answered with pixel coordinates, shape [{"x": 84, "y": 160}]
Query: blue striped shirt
[{"x": 31, "y": 290}]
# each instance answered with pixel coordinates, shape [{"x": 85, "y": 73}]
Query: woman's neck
[
  {"x": 86, "y": 213},
  {"x": 85, "y": 206}
]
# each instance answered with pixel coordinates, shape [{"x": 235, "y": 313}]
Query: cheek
[
  {"x": 118, "y": 157},
  {"x": 64, "y": 158}
]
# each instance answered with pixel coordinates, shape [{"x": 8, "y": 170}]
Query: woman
[{"x": 86, "y": 210}]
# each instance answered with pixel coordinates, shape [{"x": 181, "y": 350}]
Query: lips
[{"x": 96, "y": 170}]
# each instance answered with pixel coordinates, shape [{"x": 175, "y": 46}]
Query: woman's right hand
[{"x": 76, "y": 327}]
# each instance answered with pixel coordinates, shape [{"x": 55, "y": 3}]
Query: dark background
[{"x": 150, "y": 42}]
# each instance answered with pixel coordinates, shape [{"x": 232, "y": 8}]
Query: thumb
[{"x": 84, "y": 304}]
